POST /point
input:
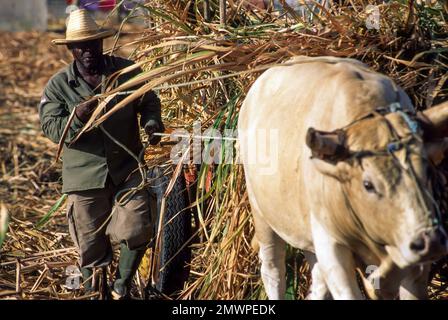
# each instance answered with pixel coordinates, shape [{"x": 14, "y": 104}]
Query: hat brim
[{"x": 99, "y": 35}]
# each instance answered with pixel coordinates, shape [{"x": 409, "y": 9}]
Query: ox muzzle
[{"x": 430, "y": 244}]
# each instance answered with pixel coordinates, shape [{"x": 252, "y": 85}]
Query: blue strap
[
  {"x": 395, "y": 106},
  {"x": 412, "y": 124},
  {"x": 394, "y": 146}
]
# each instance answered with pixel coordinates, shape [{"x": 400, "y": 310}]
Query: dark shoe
[
  {"x": 152, "y": 293},
  {"x": 127, "y": 266},
  {"x": 87, "y": 275},
  {"x": 119, "y": 291},
  {"x": 96, "y": 286}
]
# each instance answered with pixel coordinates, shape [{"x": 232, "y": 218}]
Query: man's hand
[
  {"x": 85, "y": 109},
  {"x": 152, "y": 127}
]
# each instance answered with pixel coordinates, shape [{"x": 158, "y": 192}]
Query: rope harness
[{"x": 396, "y": 145}]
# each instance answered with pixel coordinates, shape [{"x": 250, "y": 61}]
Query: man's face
[{"x": 87, "y": 53}]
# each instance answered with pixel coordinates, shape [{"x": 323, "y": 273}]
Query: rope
[
  {"x": 141, "y": 167},
  {"x": 125, "y": 195},
  {"x": 413, "y": 126},
  {"x": 356, "y": 219},
  {"x": 390, "y": 150}
]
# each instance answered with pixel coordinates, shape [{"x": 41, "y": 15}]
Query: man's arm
[
  {"x": 149, "y": 108},
  {"x": 54, "y": 114}
]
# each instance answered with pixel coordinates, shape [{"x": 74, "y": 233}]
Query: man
[{"x": 96, "y": 170}]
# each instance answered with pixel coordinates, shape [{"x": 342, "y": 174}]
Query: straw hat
[{"x": 82, "y": 27}]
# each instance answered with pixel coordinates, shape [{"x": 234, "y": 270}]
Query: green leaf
[
  {"x": 294, "y": 260},
  {"x": 53, "y": 209},
  {"x": 4, "y": 222}
]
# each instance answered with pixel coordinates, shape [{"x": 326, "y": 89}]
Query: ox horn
[
  {"x": 326, "y": 145},
  {"x": 435, "y": 121}
]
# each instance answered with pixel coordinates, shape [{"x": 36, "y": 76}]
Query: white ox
[{"x": 349, "y": 184}]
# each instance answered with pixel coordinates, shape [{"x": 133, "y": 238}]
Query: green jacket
[{"x": 88, "y": 161}]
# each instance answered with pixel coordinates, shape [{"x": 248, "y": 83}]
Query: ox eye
[{"x": 369, "y": 186}]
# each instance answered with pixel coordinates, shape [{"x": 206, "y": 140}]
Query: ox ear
[
  {"x": 434, "y": 121},
  {"x": 328, "y": 146},
  {"x": 436, "y": 150},
  {"x": 328, "y": 149}
]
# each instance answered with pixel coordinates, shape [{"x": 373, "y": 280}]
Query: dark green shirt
[{"x": 89, "y": 160}]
